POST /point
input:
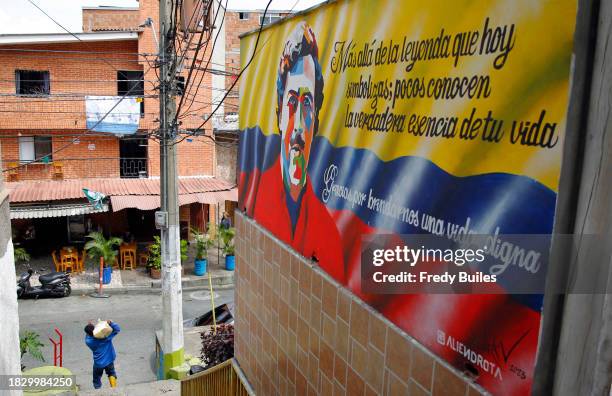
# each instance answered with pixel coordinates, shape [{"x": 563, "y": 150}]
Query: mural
[{"x": 414, "y": 118}]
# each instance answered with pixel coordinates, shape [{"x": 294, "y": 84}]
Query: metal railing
[
  {"x": 133, "y": 167},
  {"x": 70, "y": 168},
  {"x": 225, "y": 379}
]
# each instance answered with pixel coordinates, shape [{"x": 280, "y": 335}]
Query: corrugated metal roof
[
  {"x": 54, "y": 190},
  {"x": 54, "y": 210},
  {"x": 150, "y": 202}
]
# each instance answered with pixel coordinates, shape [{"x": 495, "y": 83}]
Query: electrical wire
[
  {"x": 208, "y": 63},
  {"x": 241, "y": 71}
]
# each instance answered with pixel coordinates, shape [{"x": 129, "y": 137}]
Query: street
[{"x": 139, "y": 315}]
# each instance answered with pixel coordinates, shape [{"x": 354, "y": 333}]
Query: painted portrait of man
[
  {"x": 278, "y": 193},
  {"x": 300, "y": 95}
]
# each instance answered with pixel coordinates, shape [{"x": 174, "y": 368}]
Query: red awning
[{"x": 150, "y": 202}]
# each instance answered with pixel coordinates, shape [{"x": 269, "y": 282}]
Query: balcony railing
[
  {"x": 75, "y": 168},
  {"x": 133, "y": 168}
]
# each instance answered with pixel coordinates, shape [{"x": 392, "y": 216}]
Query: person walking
[
  {"x": 226, "y": 221},
  {"x": 103, "y": 354}
]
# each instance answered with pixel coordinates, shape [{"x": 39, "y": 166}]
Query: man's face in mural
[{"x": 297, "y": 124}]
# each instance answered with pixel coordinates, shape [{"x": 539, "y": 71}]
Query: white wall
[{"x": 10, "y": 362}]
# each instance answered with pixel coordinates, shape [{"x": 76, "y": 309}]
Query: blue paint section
[
  {"x": 109, "y": 127},
  {"x": 256, "y": 150}
]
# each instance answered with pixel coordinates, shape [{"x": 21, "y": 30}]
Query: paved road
[{"x": 137, "y": 314}]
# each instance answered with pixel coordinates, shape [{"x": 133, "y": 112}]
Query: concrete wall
[
  {"x": 299, "y": 332},
  {"x": 9, "y": 330},
  {"x": 227, "y": 158}
]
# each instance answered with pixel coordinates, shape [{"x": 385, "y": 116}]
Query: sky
[{"x": 20, "y": 16}]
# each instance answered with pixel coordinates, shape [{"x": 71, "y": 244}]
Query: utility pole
[{"x": 172, "y": 293}]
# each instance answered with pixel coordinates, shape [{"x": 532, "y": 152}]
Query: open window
[
  {"x": 32, "y": 82},
  {"x": 131, "y": 83},
  {"x": 35, "y": 149}
]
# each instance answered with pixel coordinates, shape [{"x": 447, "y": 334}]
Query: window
[
  {"x": 132, "y": 82},
  {"x": 180, "y": 85},
  {"x": 31, "y": 82},
  {"x": 35, "y": 148},
  {"x": 269, "y": 18},
  {"x": 243, "y": 15}
]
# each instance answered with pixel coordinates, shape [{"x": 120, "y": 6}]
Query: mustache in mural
[{"x": 297, "y": 142}]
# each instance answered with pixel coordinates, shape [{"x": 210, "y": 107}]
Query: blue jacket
[{"x": 103, "y": 350}]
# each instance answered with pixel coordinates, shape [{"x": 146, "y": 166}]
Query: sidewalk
[{"x": 137, "y": 280}]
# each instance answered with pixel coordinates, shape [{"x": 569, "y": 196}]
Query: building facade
[{"x": 49, "y": 85}]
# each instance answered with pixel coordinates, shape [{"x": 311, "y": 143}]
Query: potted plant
[
  {"x": 227, "y": 239},
  {"x": 29, "y": 343},
  {"x": 20, "y": 255},
  {"x": 154, "y": 261},
  {"x": 217, "y": 345},
  {"x": 100, "y": 247},
  {"x": 203, "y": 242}
]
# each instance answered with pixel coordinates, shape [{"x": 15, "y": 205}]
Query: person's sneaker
[{"x": 113, "y": 381}]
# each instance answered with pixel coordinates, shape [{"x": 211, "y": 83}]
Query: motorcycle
[{"x": 55, "y": 284}]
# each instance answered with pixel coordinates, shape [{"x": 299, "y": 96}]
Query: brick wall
[
  {"x": 300, "y": 332},
  {"x": 86, "y": 74},
  {"x": 234, "y": 27},
  {"x": 106, "y": 19},
  {"x": 74, "y": 74},
  {"x": 93, "y": 156}
]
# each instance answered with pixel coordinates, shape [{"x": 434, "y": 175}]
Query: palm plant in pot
[
  {"x": 154, "y": 261},
  {"x": 203, "y": 242},
  {"x": 100, "y": 247},
  {"x": 227, "y": 240}
]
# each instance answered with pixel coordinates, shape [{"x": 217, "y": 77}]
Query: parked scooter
[{"x": 55, "y": 284}]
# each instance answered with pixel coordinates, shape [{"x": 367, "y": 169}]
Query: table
[{"x": 69, "y": 257}]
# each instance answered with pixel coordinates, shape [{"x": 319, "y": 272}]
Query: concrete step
[
  {"x": 156, "y": 388},
  {"x": 221, "y": 278}
]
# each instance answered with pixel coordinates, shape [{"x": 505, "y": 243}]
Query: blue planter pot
[
  {"x": 200, "y": 267},
  {"x": 230, "y": 262},
  {"x": 106, "y": 275}
]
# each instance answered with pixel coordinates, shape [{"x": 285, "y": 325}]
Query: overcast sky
[{"x": 19, "y": 16}]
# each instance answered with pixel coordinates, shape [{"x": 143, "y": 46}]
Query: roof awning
[
  {"x": 54, "y": 210},
  {"x": 151, "y": 202}
]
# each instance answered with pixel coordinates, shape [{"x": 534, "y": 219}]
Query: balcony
[
  {"x": 76, "y": 168},
  {"x": 130, "y": 168}
]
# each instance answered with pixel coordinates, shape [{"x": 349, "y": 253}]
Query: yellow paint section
[{"x": 535, "y": 77}]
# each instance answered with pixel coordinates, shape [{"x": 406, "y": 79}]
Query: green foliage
[
  {"x": 227, "y": 239},
  {"x": 184, "y": 246},
  {"x": 203, "y": 242},
  {"x": 155, "y": 260},
  {"x": 20, "y": 255},
  {"x": 155, "y": 254},
  {"x": 29, "y": 343},
  {"x": 102, "y": 247}
]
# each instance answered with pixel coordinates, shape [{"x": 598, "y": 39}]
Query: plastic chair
[
  {"x": 128, "y": 259},
  {"x": 58, "y": 169},
  {"x": 143, "y": 259},
  {"x": 56, "y": 262},
  {"x": 13, "y": 173},
  {"x": 68, "y": 262}
]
